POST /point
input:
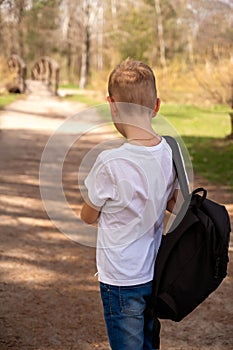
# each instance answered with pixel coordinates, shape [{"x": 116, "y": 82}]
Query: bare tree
[
  {"x": 86, "y": 45},
  {"x": 100, "y": 35},
  {"x": 72, "y": 30},
  {"x": 114, "y": 14},
  {"x": 20, "y": 16},
  {"x": 13, "y": 25},
  {"x": 161, "y": 35}
]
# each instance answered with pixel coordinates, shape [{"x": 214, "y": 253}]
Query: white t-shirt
[{"x": 132, "y": 184}]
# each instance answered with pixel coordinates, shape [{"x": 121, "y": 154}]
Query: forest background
[{"x": 187, "y": 42}]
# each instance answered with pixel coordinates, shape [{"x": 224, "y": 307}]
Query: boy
[{"x": 129, "y": 190}]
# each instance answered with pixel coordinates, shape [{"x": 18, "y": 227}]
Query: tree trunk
[
  {"x": 161, "y": 35},
  {"x": 190, "y": 49},
  {"x": 85, "y": 59},
  {"x": 20, "y": 11},
  {"x": 100, "y": 36},
  {"x": 114, "y": 14},
  {"x": 68, "y": 63},
  {"x": 69, "y": 47},
  {"x": 85, "y": 48}
]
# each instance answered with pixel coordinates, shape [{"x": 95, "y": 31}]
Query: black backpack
[{"x": 193, "y": 256}]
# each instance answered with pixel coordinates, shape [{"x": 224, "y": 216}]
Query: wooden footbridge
[{"x": 44, "y": 75}]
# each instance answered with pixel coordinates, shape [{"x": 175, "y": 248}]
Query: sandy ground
[{"x": 48, "y": 293}]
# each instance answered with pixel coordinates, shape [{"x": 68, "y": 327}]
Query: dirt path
[{"x": 48, "y": 293}]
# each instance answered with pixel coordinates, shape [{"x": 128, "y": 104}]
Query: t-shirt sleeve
[{"x": 99, "y": 183}]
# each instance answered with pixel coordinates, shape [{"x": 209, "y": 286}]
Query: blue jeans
[{"x": 128, "y": 326}]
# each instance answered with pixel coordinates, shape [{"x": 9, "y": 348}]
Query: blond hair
[{"x": 133, "y": 82}]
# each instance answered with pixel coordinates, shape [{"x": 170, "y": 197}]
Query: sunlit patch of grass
[
  {"x": 7, "y": 98},
  {"x": 204, "y": 132}
]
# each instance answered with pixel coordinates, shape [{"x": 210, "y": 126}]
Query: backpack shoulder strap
[{"x": 178, "y": 165}]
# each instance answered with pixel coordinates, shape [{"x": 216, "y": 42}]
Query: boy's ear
[
  {"x": 112, "y": 105},
  {"x": 156, "y": 108}
]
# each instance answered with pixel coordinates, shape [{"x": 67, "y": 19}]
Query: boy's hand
[
  {"x": 90, "y": 213},
  {"x": 174, "y": 203}
]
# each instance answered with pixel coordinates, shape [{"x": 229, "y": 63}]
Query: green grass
[
  {"x": 82, "y": 98},
  {"x": 6, "y": 99},
  {"x": 212, "y": 158},
  {"x": 198, "y": 121},
  {"x": 69, "y": 86},
  {"x": 78, "y": 95},
  {"x": 204, "y": 132}
]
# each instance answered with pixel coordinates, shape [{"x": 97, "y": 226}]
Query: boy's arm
[
  {"x": 174, "y": 202},
  {"x": 89, "y": 212}
]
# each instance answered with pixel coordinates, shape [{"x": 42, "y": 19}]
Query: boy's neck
[
  {"x": 146, "y": 142},
  {"x": 143, "y": 137}
]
